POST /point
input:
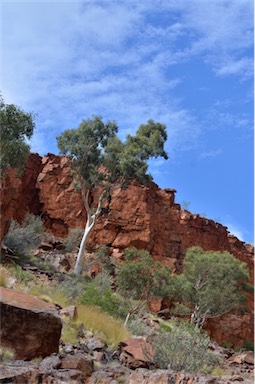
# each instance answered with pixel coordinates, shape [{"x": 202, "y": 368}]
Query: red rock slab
[{"x": 29, "y": 326}]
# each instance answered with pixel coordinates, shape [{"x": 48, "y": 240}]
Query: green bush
[
  {"x": 138, "y": 328},
  {"x": 23, "y": 238},
  {"x": 73, "y": 286},
  {"x": 98, "y": 293},
  {"x": 73, "y": 239},
  {"x": 6, "y": 355},
  {"x": 20, "y": 274},
  {"x": 3, "y": 277},
  {"x": 184, "y": 348},
  {"x": 248, "y": 345}
]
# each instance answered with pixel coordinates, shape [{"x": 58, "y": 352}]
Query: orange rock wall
[
  {"x": 19, "y": 195},
  {"x": 141, "y": 216}
]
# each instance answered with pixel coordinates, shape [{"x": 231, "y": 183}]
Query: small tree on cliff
[
  {"x": 211, "y": 283},
  {"x": 16, "y": 127},
  {"x": 143, "y": 279},
  {"x": 99, "y": 159}
]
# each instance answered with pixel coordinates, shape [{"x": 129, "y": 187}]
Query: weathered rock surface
[
  {"x": 19, "y": 195},
  {"x": 29, "y": 326},
  {"x": 135, "y": 353},
  {"x": 141, "y": 216}
]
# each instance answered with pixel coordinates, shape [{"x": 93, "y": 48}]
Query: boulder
[
  {"x": 29, "y": 326},
  {"x": 135, "y": 353},
  {"x": 78, "y": 362}
]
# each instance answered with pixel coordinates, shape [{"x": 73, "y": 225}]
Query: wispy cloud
[
  {"x": 69, "y": 60},
  {"x": 211, "y": 153}
]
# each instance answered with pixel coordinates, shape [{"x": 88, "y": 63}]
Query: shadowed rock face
[
  {"x": 29, "y": 326},
  {"x": 142, "y": 216},
  {"x": 19, "y": 195}
]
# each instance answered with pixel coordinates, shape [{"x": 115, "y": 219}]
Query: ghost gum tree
[{"x": 99, "y": 158}]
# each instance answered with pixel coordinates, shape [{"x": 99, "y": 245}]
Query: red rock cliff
[
  {"x": 141, "y": 216},
  {"x": 19, "y": 195}
]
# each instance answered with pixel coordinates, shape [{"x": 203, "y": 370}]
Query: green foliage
[
  {"x": 141, "y": 278},
  {"x": 218, "y": 371},
  {"x": 23, "y": 238},
  {"x": 210, "y": 283},
  {"x": 3, "y": 277},
  {"x": 109, "y": 329},
  {"x": 20, "y": 274},
  {"x": 69, "y": 332},
  {"x": 184, "y": 348},
  {"x": 16, "y": 127},
  {"x": 73, "y": 286},
  {"x": 102, "y": 254},
  {"x": 248, "y": 345},
  {"x": 138, "y": 328},
  {"x": 6, "y": 355},
  {"x": 95, "y": 143},
  {"x": 73, "y": 239},
  {"x": 85, "y": 145},
  {"x": 98, "y": 293}
]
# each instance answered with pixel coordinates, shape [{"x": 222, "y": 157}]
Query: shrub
[
  {"x": 184, "y": 348},
  {"x": 211, "y": 284},
  {"x": 3, "y": 277},
  {"x": 22, "y": 238},
  {"x": 73, "y": 286},
  {"x": 73, "y": 239},
  {"x": 138, "y": 328},
  {"x": 110, "y": 329},
  {"x": 69, "y": 332},
  {"x": 20, "y": 274},
  {"x": 98, "y": 293},
  {"x": 248, "y": 345},
  {"x": 6, "y": 355}
]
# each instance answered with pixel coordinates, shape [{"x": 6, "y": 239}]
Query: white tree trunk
[{"x": 91, "y": 221}]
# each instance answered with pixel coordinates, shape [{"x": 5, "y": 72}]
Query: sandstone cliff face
[
  {"x": 141, "y": 216},
  {"x": 19, "y": 195}
]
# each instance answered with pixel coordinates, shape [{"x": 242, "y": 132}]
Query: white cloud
[
  {"x": 234, "y": 230},
  {"x": 69, "y": 60},
  {"x": 211, "y": 153}
]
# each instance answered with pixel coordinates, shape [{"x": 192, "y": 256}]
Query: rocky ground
[
  {"x": 91, "y": 363},
  {"x": 89, "y": 360}
]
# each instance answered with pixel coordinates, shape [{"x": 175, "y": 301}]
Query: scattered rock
[
  {"x": 95, "y": 344},
  {"x": 135, "y": 353},
  {"x": 79, "y": 362},
  {"x": 70, "y": 312},
  {"x": 246, "y": 357},
  {"x": 29, "y": 326},
  {"x": 48, "y": 364}
]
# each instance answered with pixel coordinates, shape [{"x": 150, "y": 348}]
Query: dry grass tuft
[{"x": 110, "y": 329}]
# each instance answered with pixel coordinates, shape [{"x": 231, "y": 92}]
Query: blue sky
[{"x": 185, "y": 63}]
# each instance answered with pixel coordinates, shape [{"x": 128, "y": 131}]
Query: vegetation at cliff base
[{"x": 211, "y": 284}]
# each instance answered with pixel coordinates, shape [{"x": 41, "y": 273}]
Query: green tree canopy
[
  {"x": 141, "y": 278},
  {"x": 211, "y": 283},
  {"x": 99, "y": 158},
  {"x": 16, "y": 128}
]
